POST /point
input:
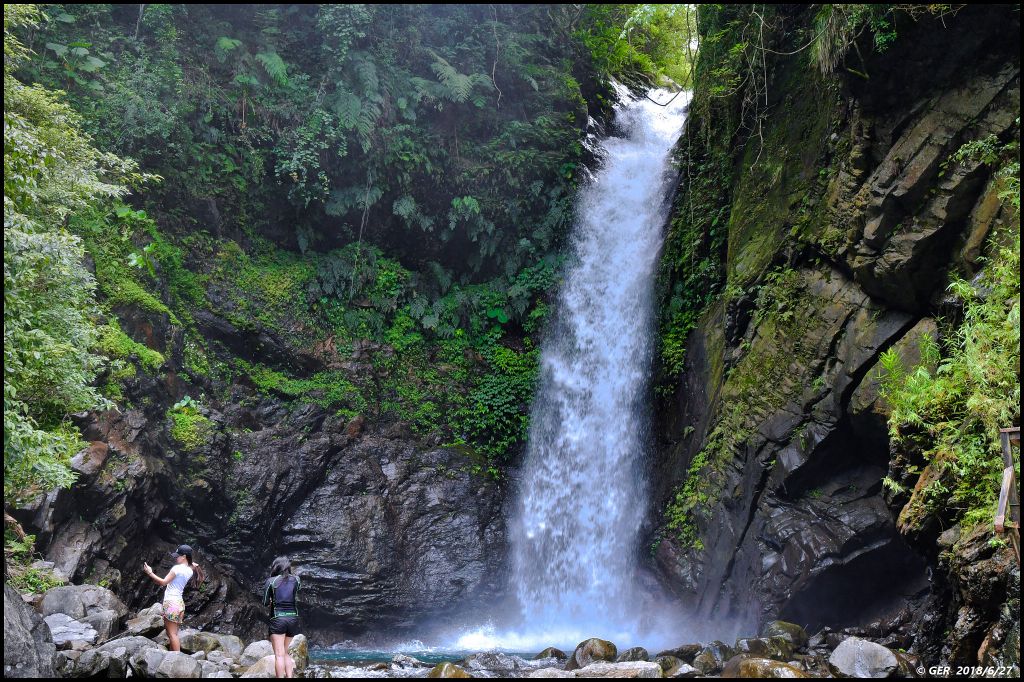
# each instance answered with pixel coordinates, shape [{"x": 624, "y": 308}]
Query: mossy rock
[{"x": 447, "y": 670}]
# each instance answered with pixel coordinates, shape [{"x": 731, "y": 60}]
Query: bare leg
[
  {"x": 288, "y": 660},
  {"x": 172, "y": 635},
  {"x": 280, "y": 655}
]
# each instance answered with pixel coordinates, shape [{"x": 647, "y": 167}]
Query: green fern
[
  {"x": 274, "y": 66},
  {"x": 224, "y": 47}
]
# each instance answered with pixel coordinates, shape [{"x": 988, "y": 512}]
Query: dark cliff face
[
  {"x": 387, "y": 530},
  {"x": 846, "y": 219}
]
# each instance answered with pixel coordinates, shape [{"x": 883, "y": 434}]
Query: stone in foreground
[
  {"x": 743, "y": 666},
  {"x": 443, "y": 670},
  {"x": 856, "y": 657},
  {"x": 792, "y": 633},
  {"x": 589, "y": 651},
  {"x": 28, "y": 646},
  {"x": 629, "y": 670}
]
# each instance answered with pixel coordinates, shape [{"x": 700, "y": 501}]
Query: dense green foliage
[
  {"x": 952, "y": 404},
  {"x": 383, "y": 188},
  {"x": 51, "y": 170}
]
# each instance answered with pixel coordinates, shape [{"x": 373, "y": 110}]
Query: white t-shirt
[{"x": 175, "y": 588}]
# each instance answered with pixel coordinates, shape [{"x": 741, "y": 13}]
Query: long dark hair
[
  {"x": 197, "y": 569},
  {"x": 282, "y": 565}
]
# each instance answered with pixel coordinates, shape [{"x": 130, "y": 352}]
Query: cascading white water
[{"x": 583, "y": 488}]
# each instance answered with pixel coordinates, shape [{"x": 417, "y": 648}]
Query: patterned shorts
[{"x": 174, "y": 610}]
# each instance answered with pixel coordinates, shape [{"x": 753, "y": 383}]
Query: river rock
[
  {"x": 28, "y": 646},
  {"x": 152, "y": 662},
  {"x": 495, "y": 662},
  {"x": 145, "y": 661},
  {"x": 637, "y": 653},
  {"x": 447, "y": 670},
  {"x": 630, "y": 669},
  {"x": 856, "y": 657},
  {"x": 589, "y": 651},
  {"x": 765, "y": 647},
  {"x": 551, "y": 652},
  {"x": 743, "y": 666},
  {"x": 79, "y": 601},
  {"x": 193, "y": 641},
  {"x": 66, "y": 630},
  {"x": 712, "y": 658},
  {"x": 176, "y": 665},
  {"x": 231, "y": 645},
  {"x": 147, "y": 622},
  {"x": 265, "y": 667},
  {"x": 109, "y": 660},
  {"x": 669, "y": 664},
  {"x": 686, "y": 652},
  {"x": 255, "y": 652},
  {"x": 791, "y": 632},
  {"x": 299, "y": 651},
  {"x": 404, "y": 661}
]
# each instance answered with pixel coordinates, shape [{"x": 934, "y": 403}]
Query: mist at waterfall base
[{"x": 583, "y": 489}]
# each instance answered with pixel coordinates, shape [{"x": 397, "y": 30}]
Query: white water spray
[{"x": 584, "y": 488}]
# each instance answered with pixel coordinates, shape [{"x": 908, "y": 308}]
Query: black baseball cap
[{"x": 183, "y": 550}]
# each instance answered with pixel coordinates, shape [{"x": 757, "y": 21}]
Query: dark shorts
[{"x": 284, "y": 625}]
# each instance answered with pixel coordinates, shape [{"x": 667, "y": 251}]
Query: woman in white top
[{"x": 174, "y": 600}]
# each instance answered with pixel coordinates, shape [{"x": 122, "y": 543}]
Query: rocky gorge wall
[
  {"x": 842, "y": 216},
  {"x": 388, "y": 529}
]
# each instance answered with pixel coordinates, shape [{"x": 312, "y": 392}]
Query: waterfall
[{"x": 583, "y": 491}]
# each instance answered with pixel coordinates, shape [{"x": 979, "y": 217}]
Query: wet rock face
[
  {"x": 799, "y": 514},
  {"x": 393, "y": 536},
  {"x": 384, "y": 530},
  {"x": 798, "y": 522}
]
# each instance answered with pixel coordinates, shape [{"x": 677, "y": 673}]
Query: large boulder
[
  {"x": 496, "y": 662},
  {"x": 630, "y": 669},
  {"x": 145, "y": 661},
  {"x": 28, "y": 646},
  {"x": 264, "y": 665},
  {"x": 589, "y": 651},
  {"x": 299, "y": 651},
  {"x": 96, "y": 606},
  {"x": 231, "y": 645},
  {"x": 743, "y": 666},
  {"x": 65, "y": 630},
  {"x": 108, "y": 660},
  {"x": 256, "y": 651},
  {"x": 777, "y": 648},
  {"x": 152, "y": 662},
  {"x": 551, "y": 652},
  {"x": 262, "y": 668},
  {"x": 637, "y": 653},
  {"x": 447, "y": 670},
  {"x": 193, "y": 641},
  {"x": 792, "y": 633},
  {"x": 686, "y": 652},
  {"x": 176, "y": 665},
  {"x": 147, "y": 622},
  {"x": 713, "y": 657},
  {"x": 856, "y": 657},
  {"x": 79, "y": 601}
]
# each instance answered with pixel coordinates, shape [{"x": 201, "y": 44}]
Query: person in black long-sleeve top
[{"x": 280, "y": 592}]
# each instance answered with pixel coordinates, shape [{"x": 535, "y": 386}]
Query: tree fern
[
  {"x": 275, "y": 67},
  {"x": 224, "y": 47}
]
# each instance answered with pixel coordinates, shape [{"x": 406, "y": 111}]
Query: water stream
[
  {"x": 584, "y": 486},
  {"x": 583, "y": 493}
]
